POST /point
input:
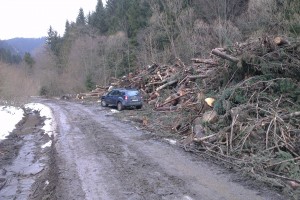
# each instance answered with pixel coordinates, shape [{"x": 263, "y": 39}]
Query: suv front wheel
[
  {"x": 103, "y": 103},
  {"x": 120, "y": 106}
]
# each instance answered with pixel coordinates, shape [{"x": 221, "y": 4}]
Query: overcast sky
[{"x": 32, "y": 18}]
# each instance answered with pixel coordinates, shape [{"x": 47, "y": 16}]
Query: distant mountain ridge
[{"x": 23, "y": 45}]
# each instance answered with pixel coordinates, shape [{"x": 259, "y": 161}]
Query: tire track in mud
[{"x": 102, "y": 158}]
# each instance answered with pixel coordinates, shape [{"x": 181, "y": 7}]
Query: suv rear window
[{"x": 133, "y": 93}]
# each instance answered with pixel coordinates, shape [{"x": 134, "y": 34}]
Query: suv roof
[{"x": 124, "y": 89}]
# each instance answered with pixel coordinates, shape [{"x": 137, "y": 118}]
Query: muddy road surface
[{"x": 95, "y": 156}]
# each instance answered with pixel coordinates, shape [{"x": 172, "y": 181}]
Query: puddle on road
[{"x": 21, "y": 174}]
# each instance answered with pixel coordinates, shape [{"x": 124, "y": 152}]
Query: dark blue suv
[{"x": 122, "y": 98}]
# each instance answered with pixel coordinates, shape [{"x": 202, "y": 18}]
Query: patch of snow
[
  {"x": 173, "y": 142},
  {"x": 187, "y": 198},
  {"x": 48, "y": 144},
  {"x": 114, "y": 111},
  {"x": 46, "y": 184},
  {"x": 9, "y": 117},
  {"x": 50, "y": 124}
]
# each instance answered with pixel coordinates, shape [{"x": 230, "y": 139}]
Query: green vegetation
[{"x": 28, "y": 59}]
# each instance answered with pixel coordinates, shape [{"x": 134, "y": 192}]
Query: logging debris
[{"x": 242, "y": 104}]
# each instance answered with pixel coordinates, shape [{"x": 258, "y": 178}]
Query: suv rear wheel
[{"x": 120, "y": 106}]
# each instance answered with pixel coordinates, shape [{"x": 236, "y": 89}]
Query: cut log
[
  {"x": 102, "y": 87},
  {"x": 198, "y": 129},
  {"x": 210, "y": 117},
  {"x": 79, "y": 96},
  {"x": 200, "y": 97},
  {"x": 153, "y": 95},
  {"x": 210, "y": 101},
  {"x": 88, "y": 95},
  {"x": 168, "y": 108},
  {"x": 280, "y": 41},
  {"x": 211, "y": 137},
  {"x": 205, "y": 61},
  {"x": 192, "y": 77},
  {"x": 157, "y": 83},
  {"x": 152, "y": 102},
  {"x": 225, "y": 56},
  {"x": 166, "y": 85},
  {"x": 288, "y": 116},
  {"x": 181, "y": 63},
  {"x": 152, "y": 68},
  {"x": 159, "y": 75},
  {"x": 295, "y": 185},
  {"x": 174, "y": 99}
]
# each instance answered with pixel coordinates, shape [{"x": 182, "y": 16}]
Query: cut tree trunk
[
  {"x": 223, "y": 55},
  {"x": 204, "y": 61},
  {"x": 166, "y": 85},
  {"x": 168, "y": 108},
  {"x": 192, "y": 77},
  {"x": 280, "y": 41},
  {"x": 174, "y": 99}
]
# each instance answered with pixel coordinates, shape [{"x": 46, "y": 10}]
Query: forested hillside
[
  {"x": 8, "y": 54},
  {"x": 129, "y": 34}
]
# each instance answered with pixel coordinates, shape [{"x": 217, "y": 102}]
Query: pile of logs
[
  {"x": 179, "y": 81},
  {"x": 99, "y": 91}
]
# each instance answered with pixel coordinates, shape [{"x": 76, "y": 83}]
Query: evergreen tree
[
  {"x": 67, "y": 27},
  {"x": 137, "y": 15},
  {"x": 113, "y": 10},
  {"x": 98, "y": 20},
  {"x": 111, "y": 6},
  {"x": 53, "y": 41},
  {"x": 80, "y": 20},
  {"x": 89, "y": 19},
  {"x": 28, "y": 59},
  {"x": 127, "y": 15}
]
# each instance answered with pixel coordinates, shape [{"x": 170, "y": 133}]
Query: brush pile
[{"x": 242, "y": 105}]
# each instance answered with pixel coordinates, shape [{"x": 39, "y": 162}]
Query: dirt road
[{"x": 95, "y": 156}]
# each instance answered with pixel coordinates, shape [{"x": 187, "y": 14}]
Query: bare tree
[{"x": 167, "y": 19}]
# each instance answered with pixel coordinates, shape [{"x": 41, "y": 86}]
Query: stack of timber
[{"x": 96, "y": 93}]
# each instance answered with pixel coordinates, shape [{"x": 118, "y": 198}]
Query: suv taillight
[{"x": 126, "y": 97}]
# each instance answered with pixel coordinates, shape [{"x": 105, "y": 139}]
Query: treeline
[
  {"x": 128, "y": 34},
  {"x": 162, "y": 25},
  {"x": 7, "y": 56}
]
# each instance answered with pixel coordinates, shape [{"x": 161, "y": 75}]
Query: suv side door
[
  {"x": 115, "y": 97},
  {"x": 109, "y": 97}
]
